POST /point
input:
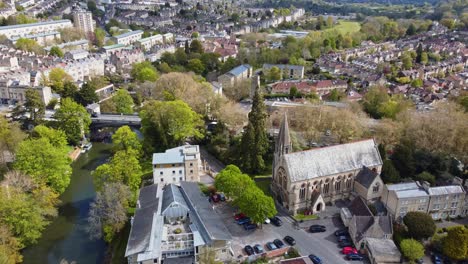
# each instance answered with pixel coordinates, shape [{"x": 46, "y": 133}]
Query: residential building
[
  {"x": 128, "y": 38},
  {"x": 326, "y": 86},
  {"x": 175, "y": 224},
  {"x": 368, "y": 184},
  {"x": 440, "y": 202},
  {"x": 34, "y": 28},
  {"x": 288, "y": 71},
  {"x": 40, "y": 38},
  {"x": 13, "y": 93},
  {"x": 357, "y": 207},
  {"x": 306, "y": 180},
  {"x": 83, "y": 20},
  {"x": 176, "y": 165},
  {"x": 124, "y": 59},
  {"x": 149, "y": 42},
  {"x": 236, "y": 75}
]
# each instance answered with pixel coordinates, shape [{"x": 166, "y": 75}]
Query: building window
[
  {"x": 338, "y": 186},
  {"x": 161, "y": 173},
  {"x": 191, "y": 164},
  {"x": 326, "y": 188},
  {"x": 191, "y": 171},
  {"x": 180, "y": 171},
  {"x": 348, "y": 183},
  {"x": 302, "y": 192},
  {"x": 436, "y": 207},
  {"x": 421, "y": 208},
  {"x": 162, "y": 179},
  {"x": 180, "y": 178},
  {"x": 376, "y": 188},
  {"x": 173, "y": 172},
  {"x": 173, "y": 179},
  {"x": 285, "y": 182},
  {"x": 454, "y": 205},
  {"x": 173, "y": 165}
]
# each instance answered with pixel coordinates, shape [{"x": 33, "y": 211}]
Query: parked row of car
[
  {"x": 275, "y": 244},
  {"x": 348, "y": 249}
]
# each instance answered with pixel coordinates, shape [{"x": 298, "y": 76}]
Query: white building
[
  {"x": 11, "y": 92},
  {"x": 129, "y": 37},
  {"x": 149, "y": 42},
  {"x": 34, "y": 28},
  {"x": 84, "y": 21},
  {"x": 177, "y": 164}
]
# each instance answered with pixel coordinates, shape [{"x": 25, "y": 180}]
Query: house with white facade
[
  {"x": 177, "y": 164},
  {"x": 128, "y": 38},
  {"x": 23, "y": 30}
]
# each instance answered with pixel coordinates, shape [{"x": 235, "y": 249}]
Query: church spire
[{"x": 283, "y": 143}]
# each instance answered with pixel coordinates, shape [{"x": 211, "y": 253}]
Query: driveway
[{"x": 323, "y": 245}]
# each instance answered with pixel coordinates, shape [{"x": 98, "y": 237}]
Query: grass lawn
[
  {"x": 344, "y": 27},
  {"x": 300, "y": 217},
  {"x": 264, "y": 185}
]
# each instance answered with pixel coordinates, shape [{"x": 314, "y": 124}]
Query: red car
[
  {"x": 215, "y": 198},
  {"x": 349, "y": 250},
  {"x": 239, "y": 216}
]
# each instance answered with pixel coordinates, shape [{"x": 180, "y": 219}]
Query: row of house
[{"x": 321, "y": 87}]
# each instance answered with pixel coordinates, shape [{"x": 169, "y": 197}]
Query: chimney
[{"x": 426, "y": 185}]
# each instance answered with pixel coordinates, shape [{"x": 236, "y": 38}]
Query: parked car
[
  {"x": 342, "y": 238},
  {"x": 249, "y": 250},
  {"x": 276, "y": 221},
  {"x": 341, "y": 232},
  {"x": 349, "y": 250},
  {"x": 420, "y": 261},
  {"x": 354, "y": 257},
  {"x": 278, "y": 243},
  {"x": 258, "y": 249},
  {"x": 436, "y": 259},
  {"x": 315, "y": 259},
  {"x": 250, "y": 226},
  {"x": 244, "y": 220},
  {"x": 345, "y": 243},
  {"x": 291, "y": 241},
  {"x": 221, "y": 197},
  {"x": 271, "y": 246},
  {"x": 317, "y": 228},
  {"x": 267, "y": 221},
  {"x": 239, "y": 216}
]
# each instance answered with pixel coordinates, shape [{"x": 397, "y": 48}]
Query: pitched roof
[
  {"x": 283, "y": 143},
  {"x": 372, "y": 226},
  {"x": 147, "y": 195},
  {"x": 359, "y": 207},
  {"x": 331, "y": 160},
  {"x": 172, "y": 195},
  {"x": 366, "y": 177},
  {"x": 240, "y": 69},
  {"x": 208, "y": 222},
  {"x": 176, "y": 155},
  {"x": 445, "y": 190}
]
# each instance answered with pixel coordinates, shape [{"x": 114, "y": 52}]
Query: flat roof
[
  {"x": 129, "y": 34},
  {"x": 35, "y": 24}
]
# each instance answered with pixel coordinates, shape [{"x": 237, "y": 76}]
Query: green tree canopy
[
  {"x": 144, "y": 71},
  {"x": 57, "y": 78},
  {"x": 426, "y": 176},
  {"x": 56, "y": 51},
  {"x": 73, "y": 119},
  {"x": 255, "y": 204},
  {"x": 412, "y": 249},
  {"x": 196, "y": 66},
  {"x": 87, "y": 94},
  {"x": 27, "y": 45},
  {"x": 389, "y": 173},
  {"x": 100, "y": 35},
  {"x": 123, "y": 102},
  {"x": 57, "y": 138},
  {"x": 168, "y": 124},
  {"x": 254, "y": 143},
  {"x": 196, "y": 46},
  {"x": 125, "y": 139},
  {"x": 372, "y": 100},
  {"x": 45, "y": 163},
  {"x": 9, "y": 247},
  {"x": 420, "y": 225},
  {"x": 232, "y": 182},
  {"x": 455, "y": 245},
  {"x": 274, "y": 74},
  {"x": 10, "y": 138}
]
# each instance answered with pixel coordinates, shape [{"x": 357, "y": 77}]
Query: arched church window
[
  {"x": 302, "y": 192},
  {"x": 337, "y": 185},
  {"x": 376, "y": 188},
  {"x": 326, "y": 188},
  {"x": 348, "y": 183}
]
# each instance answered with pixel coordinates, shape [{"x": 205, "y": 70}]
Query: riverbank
[{"x": 66, "y": 237}]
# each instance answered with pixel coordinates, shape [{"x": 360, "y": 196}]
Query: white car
[{"x": 267, "y": 221}]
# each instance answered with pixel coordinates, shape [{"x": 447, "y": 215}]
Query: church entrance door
[{"x": 319, "y": 207}]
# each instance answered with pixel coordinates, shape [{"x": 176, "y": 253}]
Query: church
[{"x": 305, "y": 181}]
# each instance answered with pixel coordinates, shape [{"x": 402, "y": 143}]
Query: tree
[
  {"x": 87, "y": 94},
  {"x": 417, "y": 83},
  {"x": 196, "y": 66},
  {"x": 196, "y": 46},
  {"x": 123, "y": 102},
  {"x": 407, "y": 61},
  {"x": 125, "y": 139},
  {"x": 29, "y": 45},
  {"x": 56, "y": 138},
  {"x": 412, "y": 249},
  {"x": 274, "y": 74},
  {"x": 69, "y": 90},
  {"x": 426, "y": 176},
  {"x": 9, "y": 247},
  {"x": 144, "y": 71},
  {"x": 254, "y": 143},
  {"x": 411, "y": 30},
  {"x": 373, "y": 99},
  {"x": 168, "y": 124},
  {"x": 57, "y": 78},
  {"x": 424, "y": 58},
  {"x": 389, "y": 173},
  {"x": 100, "y": 35},
  {"x": 393, "y": 106},
  {"x": 44, "y": 162},
  {"x": 419, "y": 51},
  {"x": 420, "y": 225},
  {"x": 73, "y": 119},
  {"x": 403, "y": 159},
  {"x": 232, "y": 182},
  {"x": 455, "y": 244},
  {"x": 10, "y": 138},
  {"x": 336, "y": 96},
  {"x": 108, "y": 212},
  {"x": 34, "y": 106},
  {"x": 257, "y": 205},
  {"x": 56, "y": 51}
]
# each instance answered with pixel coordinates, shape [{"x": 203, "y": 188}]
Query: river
[{"x": 66, "y": 237}]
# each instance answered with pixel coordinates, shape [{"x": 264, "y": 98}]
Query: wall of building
[{"x": 168, "y": 173}]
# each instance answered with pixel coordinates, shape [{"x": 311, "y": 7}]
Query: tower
[{"x": 283, "y": 142}]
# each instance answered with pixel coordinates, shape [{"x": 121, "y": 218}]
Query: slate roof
[
  {"x": 172, "y": 195},
  {"x": 240, "y": 69},
  {"x": 366, "y": 177},
  {"x": 359, "y": 207},
  {"x": 384, "y": 249},
  {"x": 331, "y": 160},
  {"x": 445, "y": 190},
  {"x": 208, "y": 222},
  {"x": 130, "y": 33},
  {"x": 372, "y": 226},
  {"x": 147, "y": 195}
]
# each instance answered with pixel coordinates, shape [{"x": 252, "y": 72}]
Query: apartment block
[
  {"x": 177, "y": 164},
  {"x": 84, "y": 21},
  {"x": 34, "y": 28},
  {"x": 12, "y": 93},
  {"x": 239, "y": 73},
  {"x": 129, "y": 37},
  {"x": 289, "y": 71}
]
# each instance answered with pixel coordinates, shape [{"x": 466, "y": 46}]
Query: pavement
[{"x": 323, "y": 245}]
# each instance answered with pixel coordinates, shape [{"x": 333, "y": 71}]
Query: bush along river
[{"x": 66, "y": 237}]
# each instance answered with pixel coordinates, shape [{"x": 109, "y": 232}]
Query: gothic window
[
  {"x": 285, "y": 182},
  {"x": 326, "y": 188},
  {"x": 338, "y": 186},
  {"x": 348, "y": 183},
  {"x": 302, "y": 192},
  {"x": 376, "y": 188}
]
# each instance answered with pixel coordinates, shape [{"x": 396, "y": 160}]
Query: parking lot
[{"x": 324, "y": 245}]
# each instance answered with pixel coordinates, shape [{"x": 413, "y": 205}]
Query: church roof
[
  {"x": 332, "y": 160},
  {"x": 283, "y": 143},
  {"x": 366, "y": 177}
]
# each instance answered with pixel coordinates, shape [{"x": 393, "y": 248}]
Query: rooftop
[
  {"x": 176, "y": 155},
  {"x": 36, "y": 24},
  {"x": 240, "y": 69},
  {"x": 331, "y": 160},
  {"x": 445, "y": 190},
  {"x": 129, "y": 34}
]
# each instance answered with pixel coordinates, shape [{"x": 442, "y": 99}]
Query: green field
[{"x": 345, "y": 27}]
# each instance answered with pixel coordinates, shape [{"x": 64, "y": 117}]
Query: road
[{"x": 214, "y": 164}]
